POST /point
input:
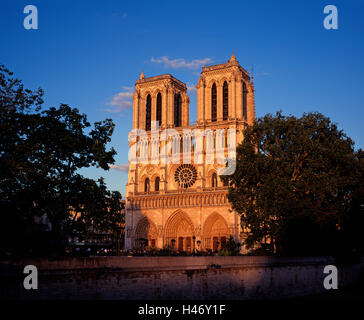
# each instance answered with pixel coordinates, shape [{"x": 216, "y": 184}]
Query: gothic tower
[
  {"x": 225, "y": 92},
  {"x": 161, "y": 98}
]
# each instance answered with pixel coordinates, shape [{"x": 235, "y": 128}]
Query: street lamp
[
  {"x": 118, "y": 239},
  {"x": 198, "y": 245},
  {"x": 172, "y": 243},
  {"x": 194, "y": 239}
]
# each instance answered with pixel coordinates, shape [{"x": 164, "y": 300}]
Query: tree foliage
[
  {"x": 296, "y": 181},
  {"x": 41, "y": 153},
  {"x": 230, "y": 248}
]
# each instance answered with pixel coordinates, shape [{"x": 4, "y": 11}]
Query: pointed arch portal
[
  {"x": 179, "y": 232},
  {"x": 215, "y": 232},
  {"x": 145, "y": 233}
]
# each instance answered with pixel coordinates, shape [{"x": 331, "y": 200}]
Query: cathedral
[{"x": 176, "y": 198}]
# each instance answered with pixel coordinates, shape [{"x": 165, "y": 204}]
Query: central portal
[{"x": 179, "y": 232}]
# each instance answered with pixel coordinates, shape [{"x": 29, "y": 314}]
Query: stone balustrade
[{"x": 206, "y": 197}]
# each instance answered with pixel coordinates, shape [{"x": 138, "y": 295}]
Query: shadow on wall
[{"x": 168, "y": 278}]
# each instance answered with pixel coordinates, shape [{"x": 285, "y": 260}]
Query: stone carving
[{"x": 160, "y": 231}]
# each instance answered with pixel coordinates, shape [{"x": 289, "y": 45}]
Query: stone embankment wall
[{"x": 240, "y": 277}]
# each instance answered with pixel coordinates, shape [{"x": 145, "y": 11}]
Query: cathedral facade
[{"x": 174, "y": 194}]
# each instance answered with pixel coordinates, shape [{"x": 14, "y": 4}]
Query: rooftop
[{"x": 166, "y": 76}]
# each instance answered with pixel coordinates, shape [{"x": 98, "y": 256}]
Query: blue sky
[{"x": 88, "y": 54}]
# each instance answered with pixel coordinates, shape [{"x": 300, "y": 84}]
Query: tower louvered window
[
  {"x": 225, "y": 101},
  {"x": 245, "y": 91},
  {"x": 177, "y": 110},
  {"x": 159, "y": 108},
  {"x": 213, "y": 103},
  {"x": 148, "y": 113}
]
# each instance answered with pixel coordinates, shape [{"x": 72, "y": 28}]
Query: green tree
[
  {"x": 41, "y": 153},
  {"x": 295, "y": 184},
  {"x": 230, "y": 248},
  {"x": 95, "y": 208},
  {"x": 353, "y": 222}
]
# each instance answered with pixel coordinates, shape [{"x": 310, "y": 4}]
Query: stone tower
[
  {"x": 225, "y": 92},
  {"x": 161, "y": 98}
]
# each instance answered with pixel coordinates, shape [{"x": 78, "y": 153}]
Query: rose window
[{"x": 185, "y": 175}]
